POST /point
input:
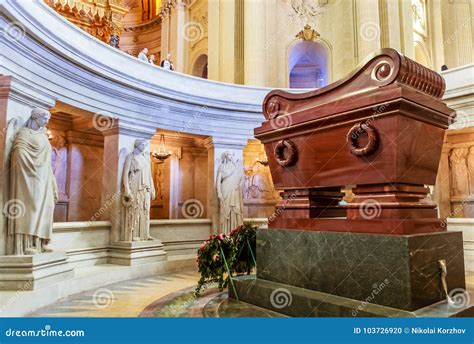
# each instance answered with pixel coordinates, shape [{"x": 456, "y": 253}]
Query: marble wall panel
[{"x": 85, "y": 170}]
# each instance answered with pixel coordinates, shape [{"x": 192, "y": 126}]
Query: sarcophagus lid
[{"x": 383, "y": 123}]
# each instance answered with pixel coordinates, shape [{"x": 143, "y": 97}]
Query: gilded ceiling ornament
[
  {"x": 307, "y": 34},
  {"x": 131, "y": 4},
  {"x": 101, "y": 18}
]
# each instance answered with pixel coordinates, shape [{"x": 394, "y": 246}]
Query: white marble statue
[
  {"x": 33, "y": 189},
  {"x": 229, "y": 191},
  {"x": 138, "y": 191},
  {"x": 143, "y": 55}
]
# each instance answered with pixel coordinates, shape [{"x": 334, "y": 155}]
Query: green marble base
[
  {"x": 396, "y": 271},
  {"x": 299, "y": 302}
]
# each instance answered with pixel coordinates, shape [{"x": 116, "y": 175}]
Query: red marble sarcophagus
[{"x": 380, "y": 130}]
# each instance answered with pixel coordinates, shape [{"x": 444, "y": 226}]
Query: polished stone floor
[
  {"x": 161, "y": 296},
  {"x": 123, "y": 299}
]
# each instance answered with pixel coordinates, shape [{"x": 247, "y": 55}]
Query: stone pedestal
[
  {"x": 299, "y": 302},
  {"x": 136, "y": 252},
  {"x": 33, "y": 272},
  {"x": 339, "y": 274}
]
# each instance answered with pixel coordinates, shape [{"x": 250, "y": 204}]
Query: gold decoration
[
  {"x": 100, "y": 18},
  {"x": 307, "y": 34}
]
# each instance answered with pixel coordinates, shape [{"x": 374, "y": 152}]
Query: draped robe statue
[
  {"x": 33, "y": 189},
  {"x": 229, "y": 192},
  {"x": 459, "y": 171},
  {"x": 470, "y": 169},
  {"x": 138, "y": 191}
]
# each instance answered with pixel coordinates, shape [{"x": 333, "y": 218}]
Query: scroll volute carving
[
  {"x": 382, "y": 69},
  {"x": 273, "y": 108}
]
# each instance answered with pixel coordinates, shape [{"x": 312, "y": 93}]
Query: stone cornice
[
  {"x": 80, "y": 226},
  {"x": 214, "y": 142},
  {"x": 119, "y": 129},
  {"x": 11, "y": 87}
]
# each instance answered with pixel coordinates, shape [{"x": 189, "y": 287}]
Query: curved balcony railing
[{"x": 49, "y": 56}]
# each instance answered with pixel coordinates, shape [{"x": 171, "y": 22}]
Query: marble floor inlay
[
  {"x": 159, "y": 296},
  {"x": 122, "y": 299}
]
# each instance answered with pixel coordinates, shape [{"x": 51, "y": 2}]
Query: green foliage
[
  {"x": 244, "y": 239},
  {"x": 238, "y": 255}
]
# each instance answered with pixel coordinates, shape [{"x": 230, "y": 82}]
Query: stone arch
[
  {"x": 200, "y": 66},
  {"x": 308, "y": 65}
]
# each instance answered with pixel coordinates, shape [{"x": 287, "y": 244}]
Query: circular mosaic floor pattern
[
  {"x": 211, "y": 303},
  {"x": 169, "y": 295}
]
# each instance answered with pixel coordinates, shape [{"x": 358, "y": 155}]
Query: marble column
[
  {"x": 225, "y": 46},
  {"x": 174, "y": 182},
  {"x": 165, "y": 29},
  {"x": 390, "y": 33},
  {"x": 368, "y": 28},
  {"x": 457, "y": 32},
  {"x": 16, "y": 102},
  {"x": 181, "y": 13},
  {"x": 175, "y": 29},
  {"x": 215, "y": 149},
  {"x": 406, "y": 29},
  {"x": 255, "y": 37},
  {"x": 436, "y": 33},
  {"x": 396, "y": 26},
  {"x": 273, "y": 29},
  {"x": 118, "y": 142},
  {"x": 213, "y": 11}
]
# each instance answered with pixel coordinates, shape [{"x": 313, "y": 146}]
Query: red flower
[
  {"x": 221, "y": 236},
  {"x": 237, "y": 229}
]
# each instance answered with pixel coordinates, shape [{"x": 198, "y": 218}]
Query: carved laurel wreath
[
  {"x": 353, "y": 136},
  {"x": 286, "y": 153}
]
